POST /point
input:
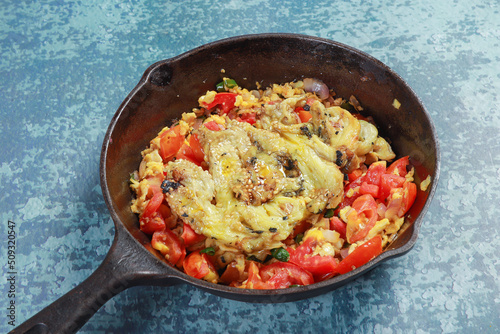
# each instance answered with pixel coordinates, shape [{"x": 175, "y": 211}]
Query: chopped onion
[
  {"x": 331, "y": 236},
  {"x": 316, "y": 86}
]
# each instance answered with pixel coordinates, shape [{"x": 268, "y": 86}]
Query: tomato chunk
[
  {"x": 170, "y": 143},
  {"x": 190, "y": 237},
  {"x": 151, "y": 220},
  {"x": 361, "y": 255},
  {"x": 370, "y": 189},
  {"x": 338, "y": 225},
  {"x": 212, "y": 125},
  {"x": 317, "y": 265},
  {"x": 187, "y": 153},
  {"x": 362, "y": 218},
  {"x": 194, "y": 143},
  {"x": 389, "y": 182},
  {"x": 169, "y": 245},
  {"x": 225, "y": 102},
  {"x": 304, "y": 115},
  {"x": 250, "y": 118},
  {"x": 153, "y": 205},
  {"x": 254, "y": 280},
  {"x": 398, "y": 167},
  {"x": 197, "y": 265},
  {"x": 280, "y": 275}
]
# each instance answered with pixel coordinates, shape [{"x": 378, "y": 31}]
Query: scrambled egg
[{"x": 261, "y": 180}]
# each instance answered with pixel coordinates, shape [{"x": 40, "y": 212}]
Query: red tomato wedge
[
  {"x": 389, "y": 182},
  {"x": 280, "y": 275},
  {"x": 152, "y": 223},
  {"x": 254, "y": 280},
  {"x": 153, "y": 205},
  {"x": 370, "y": 189},
  {"x": 362, "y": 218},
  {"x": 250, "y": 118},
  {"x": 398, "y": 167},
  {"x": 317, "y": 265},
  {"x": 194, "y": 142},
  {"x": 198, "y": 265},
  {"x": 374, "y": 172},
  {"x": 169, "y": 245},
  {"x": 190, "y": 237},
  {"x": 338, "y": 225},
  {"x": 187, "y": 153},
  {"x": 304, "y": 115},
  {"x": 170, "y": 142},
  {"x": 361, "y": 255},
  {"x": 225, "y": 102},
  {"x": 212, "y": 125},
  {"x": 401, "y": 200}
]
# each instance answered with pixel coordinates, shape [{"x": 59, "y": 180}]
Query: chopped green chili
[
  {"x": 209, "y": 250},
  {"x": 329, "y": 213},
  {"x": 225, "y": 85},
  {"x": 280, "y": 254},
  {"x": 298, "y": 238}
]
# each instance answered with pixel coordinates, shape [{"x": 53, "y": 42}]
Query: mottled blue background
[{"x": 65, "y": 67}]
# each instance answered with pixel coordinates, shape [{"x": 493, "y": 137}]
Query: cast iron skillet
[{"x": 170, "y": 87}]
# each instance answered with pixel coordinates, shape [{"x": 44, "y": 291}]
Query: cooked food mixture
[{"x": 271, "y": 188}]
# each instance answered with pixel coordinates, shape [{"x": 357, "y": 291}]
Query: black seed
[
  {"x": 339, "y": 159},
  {"x": 273, "y": 229},
  {"x": 168, "y": 186},
  {"x": 305, "y": 131}
]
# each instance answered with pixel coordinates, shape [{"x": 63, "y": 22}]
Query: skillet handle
[{"x": 125, "y": 265}]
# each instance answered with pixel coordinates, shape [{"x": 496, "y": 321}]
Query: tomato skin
[
  {"x": 370, "y": 189},
  {"x": 187, "y": 153},
  {"x": 151, "y": 220},
  {"x": 225, "y": 102},
  {"x": 389, "y": 182},
  {"x": 170, "y": 143},
  {"x": 361, "y": 219},
  {"x": 280, "y": 275},
  {"x": 254, "y": 280},
  {"x": 374, "y": 172},
  {"x": 197, "y": 265},
  {"x": 152, "y": 224},
  {"x": 212, "y": 125},
  {"x": 398, "y": 167},
  {"x": 194, "y": 143},
  {"x": 304, "y": 115},
  {"x": 400, "y": 200},
  {"x": 409, "y": 196},
  {"x": 355, "y": 174},
  {"x": 338, "y": 225},
  {"x": 190, "y": 237},
  {"x": 250, "y": 118},
  {"x": 153, "y": 205},
  {"x": 154, "y": 185},
  {"x": 361, "y": 255},
  {"x": 169, "y": 246},
  {"x": 317, "y": 265}
]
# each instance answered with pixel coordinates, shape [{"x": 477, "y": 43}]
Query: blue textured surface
[{"x": 65, "y": 67}]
